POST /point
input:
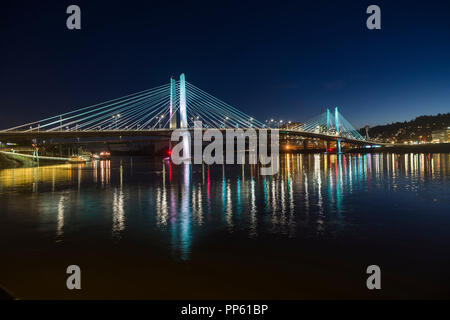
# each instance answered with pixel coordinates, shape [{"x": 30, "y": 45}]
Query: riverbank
[
  {"x": 15, "y": 161},
  {"x": 407, "y": 148}
]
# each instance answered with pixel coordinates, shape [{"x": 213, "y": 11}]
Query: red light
[{"x": 169, "y": 152}]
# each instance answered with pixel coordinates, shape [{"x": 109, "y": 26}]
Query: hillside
[{"x": 418, "y": 129}]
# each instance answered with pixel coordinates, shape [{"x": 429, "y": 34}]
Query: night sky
[{"x": 270, "y": 59}]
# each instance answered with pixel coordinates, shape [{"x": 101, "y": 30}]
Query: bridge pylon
[
  {"x": 328, "y": 120},
  {"x": 336, "y": 120},
  {"x": 172, "y": 114},
  {"x": 183, "y": 109},
  {"x": 183, "y": 119}
]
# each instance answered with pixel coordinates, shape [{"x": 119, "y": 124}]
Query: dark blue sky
[{"x": 286, "y": 60}]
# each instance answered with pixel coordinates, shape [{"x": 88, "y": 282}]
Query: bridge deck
[{"x": 8, "y": 135}]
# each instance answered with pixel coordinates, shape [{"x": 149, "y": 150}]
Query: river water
[{"x": 144, "y": 228}]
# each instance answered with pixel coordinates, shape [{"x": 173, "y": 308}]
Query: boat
[
  {"x": 78, "y": 159},
  {"x": 105, "y": 155}
]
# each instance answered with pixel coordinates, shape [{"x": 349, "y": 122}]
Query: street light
[{"x": 113, "y": 120}]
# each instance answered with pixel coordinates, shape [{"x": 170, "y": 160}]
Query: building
[
  {"x": 290, "y": 125},
  {"x": 440, "y": 136}
]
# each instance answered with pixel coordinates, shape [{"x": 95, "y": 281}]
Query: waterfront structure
[{"x": 441, "y": 136}]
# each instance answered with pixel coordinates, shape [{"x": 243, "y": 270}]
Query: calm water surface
[{"x": 143, "y": 228}]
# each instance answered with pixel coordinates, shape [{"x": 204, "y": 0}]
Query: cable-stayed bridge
[{"x": 160, "y": 110}]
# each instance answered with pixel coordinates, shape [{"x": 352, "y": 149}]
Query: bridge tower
[
  {"x": 336, "y": 123},
  {"x": 328, "y": 120},
  {"x": 183, "y": 111},
  {"x": 328, "y": 128},
  {"x": 173, "y": 116},
  {"x": 336, "y": 119},
  {"x": 183, "y": 119}
]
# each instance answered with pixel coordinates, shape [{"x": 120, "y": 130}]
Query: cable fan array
[
  {"x": 330, "y": 124},
  {"x": 136, "y": 111},
  {"x": 214, "y": 113},
  {"x": 147, "y": 110},
  {"x": 160, "y": 108}
]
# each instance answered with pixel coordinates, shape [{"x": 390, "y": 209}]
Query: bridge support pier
[
  {"x": 338, "y": 145},
  {"x": 305, "y": 144}
]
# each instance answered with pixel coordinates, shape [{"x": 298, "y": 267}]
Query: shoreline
[
  {"x": 17, "y": 161},
  {"x": 407, "y": 148},
  {"x": 7, "y": 161}
]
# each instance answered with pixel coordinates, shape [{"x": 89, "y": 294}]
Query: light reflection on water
[{"x": 312, "y": 196}]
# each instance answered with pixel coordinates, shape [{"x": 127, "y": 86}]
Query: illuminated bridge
[{"x": 159, "y": 111}]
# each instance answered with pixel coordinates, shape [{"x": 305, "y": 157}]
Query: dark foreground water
[{"x": 142, "y": 228}]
